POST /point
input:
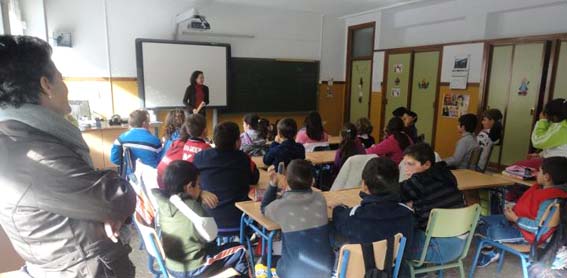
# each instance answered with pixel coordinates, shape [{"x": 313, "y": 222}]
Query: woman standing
[
  {"x": 197, "y": 94},
  {"x": 61, "y": 215}
]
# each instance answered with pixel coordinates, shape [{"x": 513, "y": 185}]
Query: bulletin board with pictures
[{"x": 455, "y": 105}]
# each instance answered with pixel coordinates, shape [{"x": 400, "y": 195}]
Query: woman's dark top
[{"x": 190, "y": 98}]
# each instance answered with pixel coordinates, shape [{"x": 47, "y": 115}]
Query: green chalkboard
[{"x": 269, "y": 85}]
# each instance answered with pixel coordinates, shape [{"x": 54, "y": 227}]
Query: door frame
[{"x": 350, "y": 59}]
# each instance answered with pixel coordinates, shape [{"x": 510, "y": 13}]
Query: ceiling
[{"x": 330, "y": 7}]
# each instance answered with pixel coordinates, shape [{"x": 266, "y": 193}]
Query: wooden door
[
  {"x": 360, "y": 89},
  {"x": 523, "y": 95},
  {"x": 560, "y": 88},
  {"x": 397, "y": 84},
  {"x": 498, "y": 86},
  {"x": 424, "y": 91}
]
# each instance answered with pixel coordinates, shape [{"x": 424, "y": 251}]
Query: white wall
[
  {"x": 85, "y": 19},
  {"x": 445, "y": 21},
  {"x": 34, "y": 16},
  {"x": 278, "y": 34},
  {"x": 332, "y": 49},
  {"x": 474, "y": 51}
]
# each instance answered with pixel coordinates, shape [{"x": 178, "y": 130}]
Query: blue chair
[
  {"x": 153, "y": 248},
  {"x": 351, "y": 261},
  {"x": 524, "y": 251},
  {"x": 127, "y": 166}
]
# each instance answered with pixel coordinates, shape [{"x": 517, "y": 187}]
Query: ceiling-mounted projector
[{"x": 198, "y": 22}]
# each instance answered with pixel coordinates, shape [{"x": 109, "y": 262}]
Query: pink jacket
[
  {"x": 390, "y": 148},
  {"x": 302, "y": 137}
]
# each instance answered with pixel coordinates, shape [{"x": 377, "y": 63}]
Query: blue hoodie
[
  {"x": 377, "y": 217},
  {"x": 287, "y": 151}
]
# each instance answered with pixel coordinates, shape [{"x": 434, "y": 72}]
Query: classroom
[{"x": 283, "y": 138}]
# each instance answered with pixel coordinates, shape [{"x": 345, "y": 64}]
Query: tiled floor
[{"x": 511, "y": 267}]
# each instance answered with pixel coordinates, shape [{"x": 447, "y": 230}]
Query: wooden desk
[
  {"x": 317, "y": 158},
  {"x": 518, "y": 181},
  {"x": 469, "y": 179},
  {"x": 335, "y": 140},
  {"x": 348, "y": 197}
]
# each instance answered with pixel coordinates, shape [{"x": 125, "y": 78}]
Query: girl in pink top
[
  {"x": 395, "y": 143},
  {"x": 313, "y": 131}
]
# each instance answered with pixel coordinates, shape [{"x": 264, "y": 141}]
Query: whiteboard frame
[{"x": 140, "y": 69}]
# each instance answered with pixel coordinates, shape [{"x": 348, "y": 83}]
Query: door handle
[{"x": 532, "y": 111}]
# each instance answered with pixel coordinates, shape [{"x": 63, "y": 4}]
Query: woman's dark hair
[
  {"x": 23, "y": 61},
  {"x": 556, "y": 110},
  {"x": 314, "y": 126},
  {"x": 381, "y": 176},
  {"x": 348, "y": 146},
  {"x": 263, "y": 128},
  {"x": 194, "y": 76},
  {"x": 399, "y": 112},
  {"x": 252, "y": 120},
  {"x": 194, "y": 126},
  {"x": 225, "y": 136},
  {"x": 397, "y": 128},
  {"x": 496, "y": 131},
  {"x": 173, "y": 122},
  {"x": 178, "y": 174},
  {"x": 364, "y": 126}
]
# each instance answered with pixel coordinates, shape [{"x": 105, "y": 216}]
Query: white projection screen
[{"x": 165, "y": 68}]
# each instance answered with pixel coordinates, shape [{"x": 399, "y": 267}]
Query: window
[{"x": 362, "y": 41}]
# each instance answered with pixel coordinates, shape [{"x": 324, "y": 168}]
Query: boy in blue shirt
[
  {"x": 284, "y": 148},
  {"x": 142, "y": 143}
]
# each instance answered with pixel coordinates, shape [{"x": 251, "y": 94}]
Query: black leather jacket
[{"x": 53, "y": 205}]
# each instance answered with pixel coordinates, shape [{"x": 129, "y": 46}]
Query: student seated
[
  {"x": 313, "y": 131},
  {"x": 490, "y": 134},
  {"x": 228, "y": 173},
  {"x": 395, "y": 143},
  {"x": 142, "y": 143},
  {"x": 284, "y": 148},
  {"x": 254, "y": 136},
  {"x": 550, "y": 132},
  {"x": 350, "y": 145},
  {"x": 399, "y": 112},
  {"x": 431, "y": 185},
  {"x": 465, "y": 145},
  {"x": 191, "y": 142},
  {"x": 364, "y": 128},
  {"x": 520, "y": 222},
  {"x": 380, "y": 193},
  {"x": 302, "y": 215},
  {"x": 190, "y": 250},
  {"x": 410, "y": 118},
  {"x": 173, "y": 122}
]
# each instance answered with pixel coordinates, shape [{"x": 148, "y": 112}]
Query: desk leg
[
  {"x": 270, "y": 246},
  {"x": 264, "y": 241},
  {"x": 245, "y": 239}
]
